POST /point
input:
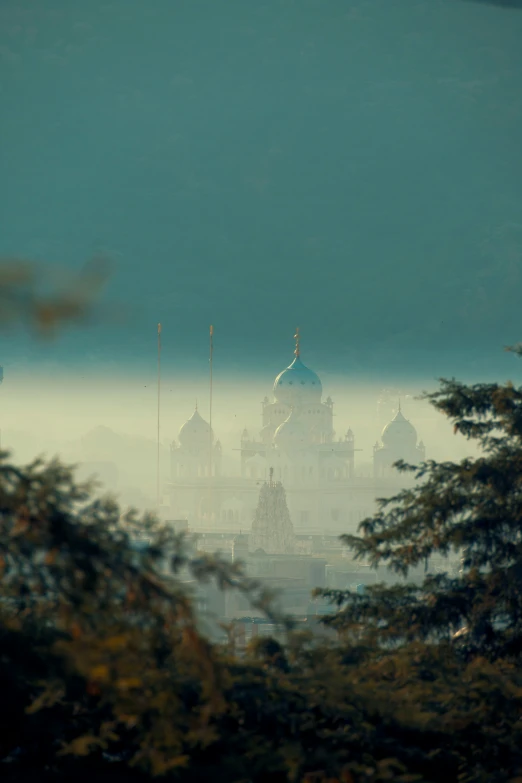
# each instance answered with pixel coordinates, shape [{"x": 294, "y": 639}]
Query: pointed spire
[
  {"x": 399, "y": 405},
  {"x": 297, "y": 338},
  {"x": 196, "y": 408},
  {"x": 272, "y": 529}
]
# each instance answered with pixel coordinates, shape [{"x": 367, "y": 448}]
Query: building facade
[{"x": 297, "y": 446}]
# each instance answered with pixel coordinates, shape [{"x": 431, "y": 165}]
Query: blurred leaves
[{"x": 24, "y": 299}]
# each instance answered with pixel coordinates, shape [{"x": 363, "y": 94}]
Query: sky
[{"x": 351, "y": 167}]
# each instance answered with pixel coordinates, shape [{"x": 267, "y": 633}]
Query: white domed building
[
  {"x": 297, "y": 389},
  {"x": 195, "y": 455},
  {"x": 293, "y": 435},
  {"x": 297, "y": 438},
  {"x": 298, "y": 446},
  {"x": 398, "y": 442}
]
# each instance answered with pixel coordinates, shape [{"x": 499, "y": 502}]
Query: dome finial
[
  {"x": 297, "y": 338},
  {"x": 196, "y": 404},
  {"x": 399, "y": 404}
]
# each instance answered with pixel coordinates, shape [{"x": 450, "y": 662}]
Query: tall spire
[
  {"x": 399, "y": 405},
  {"x": 272, "y": 529},
  {"x": 297, "y": 338}
]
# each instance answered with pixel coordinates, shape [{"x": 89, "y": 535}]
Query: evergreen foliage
[
  {"x": 446, "y": 654},
  {"x": 472, "y": 509}
]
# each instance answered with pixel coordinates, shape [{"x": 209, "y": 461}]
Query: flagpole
[
  {"x": 211, "y": 356},
  {"x": 158, "y": 432}
]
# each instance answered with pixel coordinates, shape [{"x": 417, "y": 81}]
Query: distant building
[
  {"x": 398, "y": 442},
  {"x": 294, "y": 575},
  {"x": 195, "y": 455},
  {"x": 272, "y": 530},
  {"x": 298, "y": 446}
]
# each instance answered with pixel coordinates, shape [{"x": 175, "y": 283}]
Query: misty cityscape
[
  {"x": 260, "y": 401},
  {"x": 209, "y": 482}
]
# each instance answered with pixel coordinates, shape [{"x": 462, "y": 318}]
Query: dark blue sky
[{"x": 351, "y": 167}]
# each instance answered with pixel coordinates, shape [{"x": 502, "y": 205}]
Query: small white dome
[
  {"x": 196, "y": 431},
  {"x": 292, "y": 434},
  {"x": 399, "y": 432}
]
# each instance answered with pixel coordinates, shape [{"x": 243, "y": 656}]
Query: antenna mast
[
  {"x": 158, "y": 432},
  {"x": 211, "y": 355},
  {"x": 210, "y": 360}
]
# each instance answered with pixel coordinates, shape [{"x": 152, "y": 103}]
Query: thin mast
[
  {"x": 158, "y": 432},
  {"x": 211, "y": 354}
]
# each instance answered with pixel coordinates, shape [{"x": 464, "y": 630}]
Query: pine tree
[
  {"x": 472, "y": 509},
  {"x": 445, "y": 655}
]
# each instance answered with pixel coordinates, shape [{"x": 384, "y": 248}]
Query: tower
[{"x": 272, "y": 529}]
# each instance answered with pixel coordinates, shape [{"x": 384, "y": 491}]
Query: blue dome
[{"x": 297, "y": 384}]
